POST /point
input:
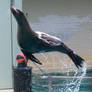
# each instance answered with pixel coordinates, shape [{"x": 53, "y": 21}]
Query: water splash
[{"x": 74, "y": 84}]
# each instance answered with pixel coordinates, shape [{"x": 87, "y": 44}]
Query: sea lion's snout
[
  {"x": 14, "y": 10},
  {"x": 18, "y": 14}
]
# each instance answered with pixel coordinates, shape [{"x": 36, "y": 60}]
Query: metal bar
[
  {"x": 64, "y": 77},
  {"x": 62, "y": 85}
]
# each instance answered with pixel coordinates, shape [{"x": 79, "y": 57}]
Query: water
[
  {"x": 59, "y": 82},
  {"x": 74, "y": 84},
  {"x": 56, "y": 83}
]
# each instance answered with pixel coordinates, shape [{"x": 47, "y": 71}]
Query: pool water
[{"x": 58, "y": 82}]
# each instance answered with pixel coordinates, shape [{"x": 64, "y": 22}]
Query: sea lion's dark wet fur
[{"x": 31, "y": 42}]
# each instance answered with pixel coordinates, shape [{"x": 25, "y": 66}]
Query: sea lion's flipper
[
  {"x": 34, "y": 59},
  {"x": 31, "y": 57}
]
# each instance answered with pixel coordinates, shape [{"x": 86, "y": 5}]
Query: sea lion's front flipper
[
  {"x": 34, "y": 59},
  {"x": 30, "y": 56}
]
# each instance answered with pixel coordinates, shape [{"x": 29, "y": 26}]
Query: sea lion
[{"x": 31, "y": 42}]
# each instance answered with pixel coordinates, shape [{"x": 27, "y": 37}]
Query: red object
[{"x": 21, "y": 58}]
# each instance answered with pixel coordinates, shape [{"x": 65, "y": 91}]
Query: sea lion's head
[{"x": 19, "y": 15}]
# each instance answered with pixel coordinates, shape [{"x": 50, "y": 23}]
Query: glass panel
[{"x": 5, "y": 45}]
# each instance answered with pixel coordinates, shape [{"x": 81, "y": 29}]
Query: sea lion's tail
[{"x": 78, "y": 61}]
